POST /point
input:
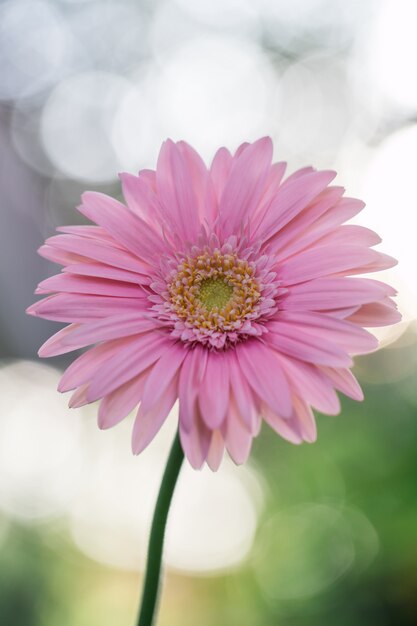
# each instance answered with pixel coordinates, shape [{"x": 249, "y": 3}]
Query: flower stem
[{"x": 156, "y": 540}]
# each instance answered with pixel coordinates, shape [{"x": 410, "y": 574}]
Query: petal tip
[{"x": 32, "y": 310}]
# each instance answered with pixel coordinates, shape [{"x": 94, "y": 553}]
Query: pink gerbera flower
[{"x": 228, "y": 288}]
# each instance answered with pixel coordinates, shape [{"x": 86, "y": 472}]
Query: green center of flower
[{"x": 214, "y": 292}]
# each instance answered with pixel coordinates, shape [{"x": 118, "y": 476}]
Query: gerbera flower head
[{"x": 230, "y": 288}]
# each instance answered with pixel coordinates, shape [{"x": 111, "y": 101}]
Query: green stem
[{"x": 156, "y": 540}]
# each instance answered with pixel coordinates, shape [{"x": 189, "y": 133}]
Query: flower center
[{"x": 215, "y": 292}]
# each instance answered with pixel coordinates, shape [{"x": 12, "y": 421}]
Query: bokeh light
[
  {"x": 309, "y": 549},
  {"x": 24, "y": 129},
  {"x": 213, "y": 518},
  {"x": 76, "y": 125},
  {"x": 40, "y": 454},
  {"x": 216, "y": 91},
  {"x": 315, "y": 124},
  {"x": 137, "y": 127},
  {"x": 316, "y": 543},
  {"x": 237, "y": 15},
  {"x": 392, "y": 50},
  {"x": 35, "y": 47},
  {"x": 125, "y": 43},
  {"x": 391, "y": 206}
]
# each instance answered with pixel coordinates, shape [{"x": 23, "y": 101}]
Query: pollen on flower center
[
  {"x": 214, "y": 295},
  {"x": 215, "y": 292}
]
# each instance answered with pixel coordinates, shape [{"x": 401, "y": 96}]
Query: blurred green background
[
  {"x": 335, "y": 538},
  {"x": 319, "y": 534}
]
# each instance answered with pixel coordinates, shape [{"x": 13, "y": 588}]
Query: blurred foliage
[
  {"x": 27, "y": 594},
  {"x": 336, "y": 543}
]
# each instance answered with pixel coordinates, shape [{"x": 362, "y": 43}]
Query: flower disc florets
[
  {"x": 215, "y": 292},
  {"x": 218, "y": 295}
]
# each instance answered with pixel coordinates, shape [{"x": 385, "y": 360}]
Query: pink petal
[
  {"x": 140, "y": 198},
  {"x": 302, "y": 230},
  {"x": 59, "y": 256},
  {"x": 148, "y": 424},
  {"x": 191, "y": 375},
  {"x": 149, "y": 177},
  {"x": 89, "y": 231},
  {"x": 345, "y": 334},
  {"x": 220, "y": 170},
  {"x": 56, "y": 344},
  {"x": 126, "y": 227},
  {"x": 105, "y": 271},
  {"x": 265, "y": 375},
  {"x": 328, "y": 293},
  {"x": 204, "y": 193},
  {"x": 84, "y": 367},
  {"x": 296, "y": 342},
  {"x": 344, "y": 210},
  {"x": 245, "y": 403},
  {"x": 245, "y": 185},
  {"x": 376, "y": 314},
  {"x": 241, "y": 148},
  {"x": 273, "y": 181},
  {"x": 98, "y": 250},
  {"x": 380, "y": 262},
  {"x": 130, "y": 361},
  {"x": 216, "y": 451},
  {"x": 300, "y": 173},
  {"x": 328, "y": 260},
  {"x": 116, "y": 405},
  {"x": 319, "y": 219},
  {"x": 291, "y": 199},
  {"x": 287, "y": 428},
  {"x": 344, "y": 381},
  {"x": 65, "y": 307},
  {"x": 341, "y": 314},
  {"x": 305, "y": 419},
  {"x": 312, "y": 385},
  {"x": 79, "y": 397},
  {"x": 351, "y": 234},
  {"x": 162, "y": 373},
  {"x": 214, "y": 391},
  {"x": 82, "y": 284},
  {"x": 113, "y": 327},
  {"x": 237, "y": 437},
  {"x": 196, "y": 442},
  {"x": 176, "y": 192}
]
